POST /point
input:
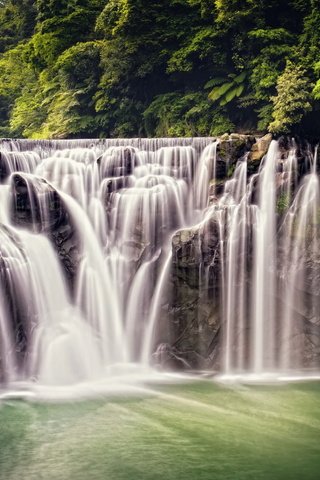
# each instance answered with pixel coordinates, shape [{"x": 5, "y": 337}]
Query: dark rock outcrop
[
  {"x": 194, "y": 311},
  {"x": 36, "y": 205}
]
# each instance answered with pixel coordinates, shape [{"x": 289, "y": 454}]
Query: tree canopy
[{"x": 158, "y": 67}]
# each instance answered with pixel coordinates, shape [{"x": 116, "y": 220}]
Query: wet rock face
[
  {"x": 193, "y": 315},
  {"x": 169, "y": 357},
  {"x": 195, "y": 326},
  {"x": 4, "y": 170},
  {"x": 308, "y": 317},
  {"x": 68, "y": 248},
  {"x": 230, "y": 150},
  {"x": 12, "y": 299},
  {"x": 37, "y": 206},
  {"x": 35, "y": 203},
  {"x": 118, "y": 164},
  {"x": 113, "y": 185},
  {"x": 188, "y": 330},
  {"x": 260, "y": 148},
  {"x": 195, "y": 248}
]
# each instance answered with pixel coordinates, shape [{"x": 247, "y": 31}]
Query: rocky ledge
[{"x": 194, "y": 313}]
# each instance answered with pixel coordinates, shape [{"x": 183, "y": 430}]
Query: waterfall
[
  {"x": 86, "y": 254},
  {"x": 91, "y": 223},
  {"x": 302, "y": 255},
  {"x": 235, "y": 310},
  {"x": 263, "y": 307}
]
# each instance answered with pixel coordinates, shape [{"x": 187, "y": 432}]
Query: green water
[{"x": 198, "y": 431}]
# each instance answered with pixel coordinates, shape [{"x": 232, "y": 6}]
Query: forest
[{"x": 125, "y": 68}]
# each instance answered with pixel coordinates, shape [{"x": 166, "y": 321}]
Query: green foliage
[
  {"x": 178, "y": 114},
  {"x": 169, "y": 67},
  {"x": 283, "y": 203},
  {"x": 221, "y": 123},
  {"x": 271, "y": 35},
  {"x": 226, "y": 91},
  {"x": 27, "y": 116},
  {"x": 114, "y": 17},
  {"x": 231, "y": 170},
  {"x": 17, "y": 21},
  {"x": 265, "y": 117},
  {"x": 293, "y": 99},
  {"x": 316, "y": 90},
  {"x": 201, "y": 45}
]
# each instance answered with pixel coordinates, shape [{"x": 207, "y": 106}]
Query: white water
[
  {"x": 125, "y": 199},
  {"x": 267, "y": 267},
  {"x": 264, "y": 274},
  {"x": 123, "y": 203},
  {"x": 235, "y": 310}
]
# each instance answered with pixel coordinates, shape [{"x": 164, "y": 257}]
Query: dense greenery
[{"x": 158, "y": 67}]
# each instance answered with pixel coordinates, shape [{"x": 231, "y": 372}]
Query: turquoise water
[{"x": 192, "y": 431}]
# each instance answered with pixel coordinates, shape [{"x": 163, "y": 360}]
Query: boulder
[
  {"x": 260, "y": 148},
  {"x": 193, "y": 315},
  {"x": 229, "y": 151},
  {"x": 36, "y": 205}
]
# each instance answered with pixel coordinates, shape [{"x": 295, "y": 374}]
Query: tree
[
  {"x": 156, "y": 67},
  {"x": 17, "y": 22},
  {"x": 293, "y": 100}
]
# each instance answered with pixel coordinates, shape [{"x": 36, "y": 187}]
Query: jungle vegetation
[{"x": 97, "y": 68}]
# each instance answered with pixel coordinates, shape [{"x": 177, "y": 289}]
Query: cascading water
[
  {"x": 86, "y": 253},
  {"x": 264, "y": 248},
  {"x": 300, "y": 269},
  {"x": 235, "y": 310},
  {"x": 121, "y": 204}
]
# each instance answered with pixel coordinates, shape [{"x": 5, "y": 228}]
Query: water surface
[{"x": 192, "y": 431}]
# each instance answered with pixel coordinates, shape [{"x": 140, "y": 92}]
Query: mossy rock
[{"x": 231, "y": 149}]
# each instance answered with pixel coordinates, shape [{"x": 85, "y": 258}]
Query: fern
[
  {"x": 227, "y": 89},
  {"x": 219, "y": 92}
]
